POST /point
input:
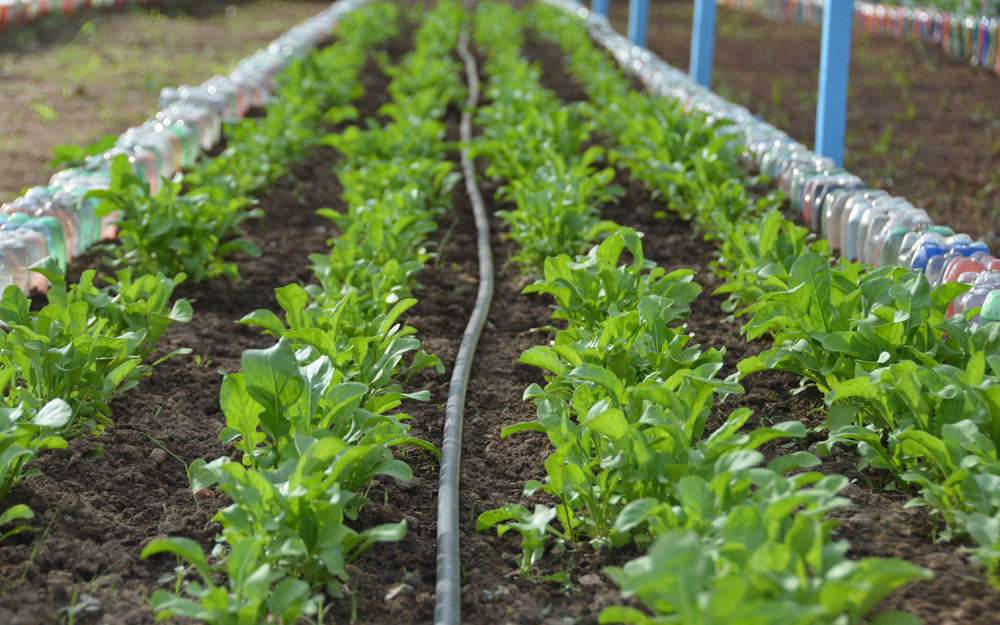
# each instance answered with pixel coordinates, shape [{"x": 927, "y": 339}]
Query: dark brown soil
[
  {"x": 101, "y": 500},
  {"x": 876, "y": 523},
  {"x": 920, "y": 125},
  {"x": 98, "y": 502}
]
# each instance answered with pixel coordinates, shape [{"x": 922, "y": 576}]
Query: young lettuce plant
[
  {"x": 171, "y": 233},
  {"x": 312, "y": 414},
  {"x": 86, "y": 345}
]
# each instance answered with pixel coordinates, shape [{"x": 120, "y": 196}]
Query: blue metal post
[
  {"x": 703, "y": 41},
  {"x": 835, "y": 61},
  {"x": 600, "y": 6},
  {"x": 638, "y": 18}
]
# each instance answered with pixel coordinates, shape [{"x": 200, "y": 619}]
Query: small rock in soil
[
  {"x": 591, "y": 580},
  {"x": 158, "y": 455}
]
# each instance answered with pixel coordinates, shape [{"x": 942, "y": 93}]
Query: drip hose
[{"x": 447, "y": 601}]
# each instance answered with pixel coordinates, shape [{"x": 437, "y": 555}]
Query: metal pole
[
  {"x": 703, "y": 41},
  {"x": 600, "y": 6},
  {"x": 835, "y": 61},
  {"x": 638, "y": 18}
]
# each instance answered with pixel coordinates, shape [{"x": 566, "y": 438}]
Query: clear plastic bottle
[
  {"x": 160, "y": 143},
  {"x": 205, "y": 119},
  {"x": 37, "y": 249},
  {"x": 885, "y": 236},
  {"x": 18, "y": 257},
  {"x": 187, "y": 136},
  {"x": 144, "y": 164},
  {"x": 47, "y": 227},
  {"x": 237, "y": 96},
  {"x": 853, "y": 221},
  {"x": 839, "y": 221},
  {"x": 37, "y": 204},
  {"x": 78, "y": 183},
  {"x": 199, "y": 96},
  {"x": 817, "y": 189}
]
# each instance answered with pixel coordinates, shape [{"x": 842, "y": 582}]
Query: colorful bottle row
[
  {"x": 21, "y": 12},
  {"x": 861, "y": 223},
  {"x": 971, "y": 38},
  {"x": 58, "y": 220}
]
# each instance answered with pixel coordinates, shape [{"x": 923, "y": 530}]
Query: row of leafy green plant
[
  {"x": 915, "y": 393},
  {"x": 62, "y": 365},
  {"x": 314, "y": 417},
  {"x": 626, "y": 405}
]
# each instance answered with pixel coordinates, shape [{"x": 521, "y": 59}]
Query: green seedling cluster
[
  {"x": 914, "y": 392},
  {"x": 90, "y": 343},
  {"x": 194, "y": 225},
  {"x": 313, "y": 415},
  {"x": 541, "y": 149},
  {"x": 175, "y": 231},
  {"x": 756, "y": 256},
  {"x": 626, "y": 404},
  {"x": 61, "y": 366}
]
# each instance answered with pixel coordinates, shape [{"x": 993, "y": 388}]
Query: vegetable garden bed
[{"x": 101, "y": 500}]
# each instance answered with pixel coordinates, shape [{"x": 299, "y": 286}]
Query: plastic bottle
[
  {"x": 78, "y": 182},
  {"x": 956, "y": 246},
  {"x": 839, "y": 219},
  {"x": 237, "y": 95},
  {"x": 200, "y": 96},
  {"x": 205, "y": 119},
  {"x": 959, "y": 265},
  {"x": 916, "y": 252},
  {"x": 187, "y": 135},
  {"x": 990, "y": 310},
  {"x": 48, "y": 227},
  {"x": 815, "y": 192},
  {"x": 886, "y": 233},
  {"x": 851, "y": 222},
  {"x": 144, "y": 164},
  {"x": 38, "y": 251},
  {"x": 159, "y": 143},
  {"x": 18, "y": 257},
  {"x": 983, "y": 284},
  {"x": 35, "y": 203}
]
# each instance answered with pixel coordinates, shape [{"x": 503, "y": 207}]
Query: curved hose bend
[{"x": 447, "y": 608}]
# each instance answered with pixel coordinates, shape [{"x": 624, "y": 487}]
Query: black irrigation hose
[{"x": 447, "y": 608}]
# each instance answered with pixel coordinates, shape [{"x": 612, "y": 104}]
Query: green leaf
[
  {"x": 795, "y": 460},
  {"x": 286, "y": 598},
  {"x": 524, "y": 426},
  {"x": 273, "y": 380},
  {"x": 15, "y": 513},
  {"x": 543, "y": 358},
  {"x": 183, "y": 548},
  {"x": 490, "y": 518},
  {"x": 896, "y": 617},
  {"x": 624, "y": 614},
  {"x": 610, "y": 422}
]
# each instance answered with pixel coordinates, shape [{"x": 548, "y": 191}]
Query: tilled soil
[
  {"x": 876, "y": 523},
  {"x": 98, "y": 502}
]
